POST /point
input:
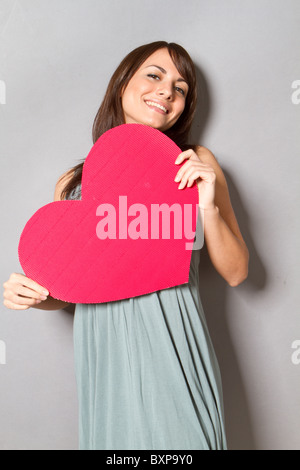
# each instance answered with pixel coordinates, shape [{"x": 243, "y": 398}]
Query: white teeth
[{"x": 151, "y": 103}]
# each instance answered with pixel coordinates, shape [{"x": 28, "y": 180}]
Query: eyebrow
[{"x": 164, "y": 71}]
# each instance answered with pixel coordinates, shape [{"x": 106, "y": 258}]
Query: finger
[
  {"x": 183, "y": 169},
  {"x": 17, "y": 300},
  {"x": 183, "y": 156},
  {"x": 196, "y": 172},
  {"x": 190, "y": 175},
  {"x": 189, "y": 166},
  {"x": 12, "y": 306},
  {"x": 25, "y": 281},
  {"x": 29, "y": 293}
]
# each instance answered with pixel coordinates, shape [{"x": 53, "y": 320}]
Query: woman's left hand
[{"x": 204, "y": 175}]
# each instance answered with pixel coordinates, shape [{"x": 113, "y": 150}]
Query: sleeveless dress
[{"x": 146, "y": 372}]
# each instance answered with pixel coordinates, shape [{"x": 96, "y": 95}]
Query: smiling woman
[
  {"x": 155, "y": 95},
  {"x": 147, "y": 374},
  {"x": 111, "y": 112}
]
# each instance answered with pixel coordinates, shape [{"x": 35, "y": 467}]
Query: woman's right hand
[{"x": 21, "y": 293}]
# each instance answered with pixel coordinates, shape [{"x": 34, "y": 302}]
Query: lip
[{"x": 157, "y": 109}]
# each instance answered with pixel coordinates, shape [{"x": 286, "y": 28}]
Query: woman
[{"x": 146, "y": 370}]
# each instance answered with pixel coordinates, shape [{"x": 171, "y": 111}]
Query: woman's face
[{"x": 155, "y": 95}]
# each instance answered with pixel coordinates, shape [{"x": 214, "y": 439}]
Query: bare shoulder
[
  {"x": 61, "y": 183},
  {"x": 206, "y": 156}
]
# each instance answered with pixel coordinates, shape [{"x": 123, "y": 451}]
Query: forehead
[{"x": 162, "y": 58}]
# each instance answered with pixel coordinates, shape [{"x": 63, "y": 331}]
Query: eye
[
  {"x": 180, "y": 90},
  {"x": 152, "y": 75}
]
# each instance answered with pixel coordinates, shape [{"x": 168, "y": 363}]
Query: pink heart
[{"x": 128, "y": 172}]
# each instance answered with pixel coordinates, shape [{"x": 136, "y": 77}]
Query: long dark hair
[{"x": 110, "y": 113}]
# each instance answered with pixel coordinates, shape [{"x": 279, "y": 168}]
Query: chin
[
  {"x": 150, "y": 122},
  {"x": 158, "y": 126}
]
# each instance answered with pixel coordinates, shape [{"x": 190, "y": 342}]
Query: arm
[
  {"x": 226, "y": 247},
  {"x": 21, "y": 293}
]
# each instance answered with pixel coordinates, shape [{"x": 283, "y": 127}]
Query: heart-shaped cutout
[{"x": 130, "y": 234}]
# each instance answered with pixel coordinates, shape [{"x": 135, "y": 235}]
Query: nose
[{"x": 165, "y": 91}]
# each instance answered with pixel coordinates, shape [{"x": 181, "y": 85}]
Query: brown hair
[{"x": 110, "y": 113}]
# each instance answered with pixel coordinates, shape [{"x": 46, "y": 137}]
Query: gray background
[{"x": 56, "y": 57}]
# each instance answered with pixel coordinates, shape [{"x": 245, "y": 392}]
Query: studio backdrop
[{"x": 56, "y": 58}]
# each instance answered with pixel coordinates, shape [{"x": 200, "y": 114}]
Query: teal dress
[{"x": 146, "y": 371}]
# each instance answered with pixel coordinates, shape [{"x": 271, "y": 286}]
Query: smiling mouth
[{"x": 156, "y": 105}]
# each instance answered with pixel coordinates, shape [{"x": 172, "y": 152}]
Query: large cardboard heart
[{"x": 111, "y": 245}]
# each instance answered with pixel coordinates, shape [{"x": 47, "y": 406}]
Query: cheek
[
  {"x": 182, "y": 106},
  {"x": 128, "y": 100},
  {"x": 179, "y": 110},
  {"x": 131, "y": 94}
]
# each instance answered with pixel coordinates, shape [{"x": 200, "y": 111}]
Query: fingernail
[
  {"x": 177, "y": 179},
  {"x": 43, "y": 297},
  {"x": 45, "y": 292}
]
